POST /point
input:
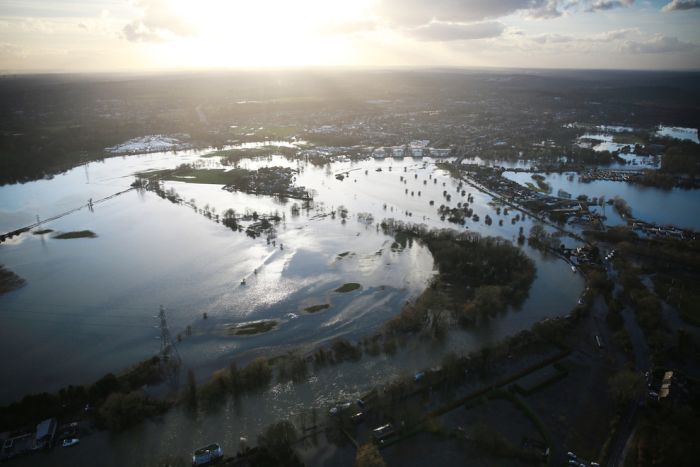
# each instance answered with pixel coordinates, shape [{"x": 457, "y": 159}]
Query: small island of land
[
  {"x": 75, "y": 234},
  {"x": 349, "y": 287},
  {"x": 255, "y": 327},
  {"x": 316, "y": 308},
  {"x": 272, "y": 181}
]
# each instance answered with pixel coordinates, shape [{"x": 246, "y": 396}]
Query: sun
[{"x": 263, "y": 32}]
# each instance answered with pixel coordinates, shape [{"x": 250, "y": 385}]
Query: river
[{"x": 89, "y": 304}]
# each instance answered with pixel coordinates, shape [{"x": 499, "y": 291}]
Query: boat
[
  {"x": 573, "y": 268},
  {"x": 207, "y": 455}
]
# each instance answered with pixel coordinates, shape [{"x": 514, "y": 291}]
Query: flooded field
[
  {"x": 680, "y": 133},
  {"x": 676, "y": 206},
  {"x": 89, "y": 304}
]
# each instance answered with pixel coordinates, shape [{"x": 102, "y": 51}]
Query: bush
[
  {"x": 190, "y": 396},
  {"x": 121, "y": 411},
  {"x": 256, "y": 375},
  {"x": 292, "y": 368},
  {"x": 147, "y": 372},
  {"x": 103, "y": 387},
  {"x": 344, "y": 350},
  {"x": 411, "y": 319},
  {"x": 276, "y": 441},
  {"x": 214, "y": 392}
]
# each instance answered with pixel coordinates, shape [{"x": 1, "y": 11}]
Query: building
[{"x": 45, "y": 431}]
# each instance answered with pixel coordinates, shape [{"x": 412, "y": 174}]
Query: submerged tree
[{"x": 191, "y": 390}]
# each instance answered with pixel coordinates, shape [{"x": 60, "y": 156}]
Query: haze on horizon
[{"x": 155, "y": 35}]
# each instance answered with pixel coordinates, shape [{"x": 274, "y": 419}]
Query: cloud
[
  {"x": 441, "y": 31},
  {"x": 599, "y": 5},
  {"x": 7, "y": 49},
  {"x": 631, "y": 41},
  {"x": 679, "y": 5},
  {"x": 552, "y": 9},
  {"x": 552, "y": 38},
  {"x": 658, "y": 44},
  {"x": 614, "y": 35},
  {"x": 607, "y": 37},
  {"x": 39, "y": 25},
  {"x": 417, "y": 12},
  {"x": 413, "y": 13},
  {"x": 158, "y": 22}
]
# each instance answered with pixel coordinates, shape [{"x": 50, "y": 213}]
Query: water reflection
[{"x": 88, "y": 305}]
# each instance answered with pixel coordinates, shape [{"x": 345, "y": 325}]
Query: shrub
[
  {"x": 256, "y": 375},
  {"x": 121, "y": 411}
]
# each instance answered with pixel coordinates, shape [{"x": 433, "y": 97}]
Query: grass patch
[
  {"x": 76, "y": 234},
  {"x": 249, "y": 329},
  {"x": 42, "y": 232},
  {"x": 188, "y": 175},
  {"x": 263, "y": 181},
  {"x": 236, "y": 154},
  {"x": 316, "y": 308},
  {"x": 540, "y": 189},
  {"x": 349, "y": 287}
]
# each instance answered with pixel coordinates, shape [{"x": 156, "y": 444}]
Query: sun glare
[{"x": 264, "y": 33}]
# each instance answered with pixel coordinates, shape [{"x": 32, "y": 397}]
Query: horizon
[{"x": 332, "y": 69}]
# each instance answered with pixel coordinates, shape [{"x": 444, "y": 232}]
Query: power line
[
  {"x": 45, "y": 321},
  {"x": 63, "y": 305},
  {"x": 20, "y": 311}
]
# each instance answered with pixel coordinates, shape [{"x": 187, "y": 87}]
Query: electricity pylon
[{"x": 169, "y": 357}]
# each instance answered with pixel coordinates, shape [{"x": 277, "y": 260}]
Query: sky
[{"x": 156, "y": 35}]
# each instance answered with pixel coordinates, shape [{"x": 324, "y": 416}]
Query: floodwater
[
  {"x": 89, "y": 304},
  {"x": 676, "y": 206},
  {"x": 681, "y": 133},
  {"x": 605, "y": 142}
]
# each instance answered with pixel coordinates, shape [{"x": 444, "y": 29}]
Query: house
[{"x": 45, "y": 431}]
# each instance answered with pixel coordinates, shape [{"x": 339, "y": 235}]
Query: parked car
[
  {"x": 70, "y": 442},
  {"x": 207, "y": 455},
  {"x": 383, "y": 432},
  {"x": 339, "y": 408}
]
